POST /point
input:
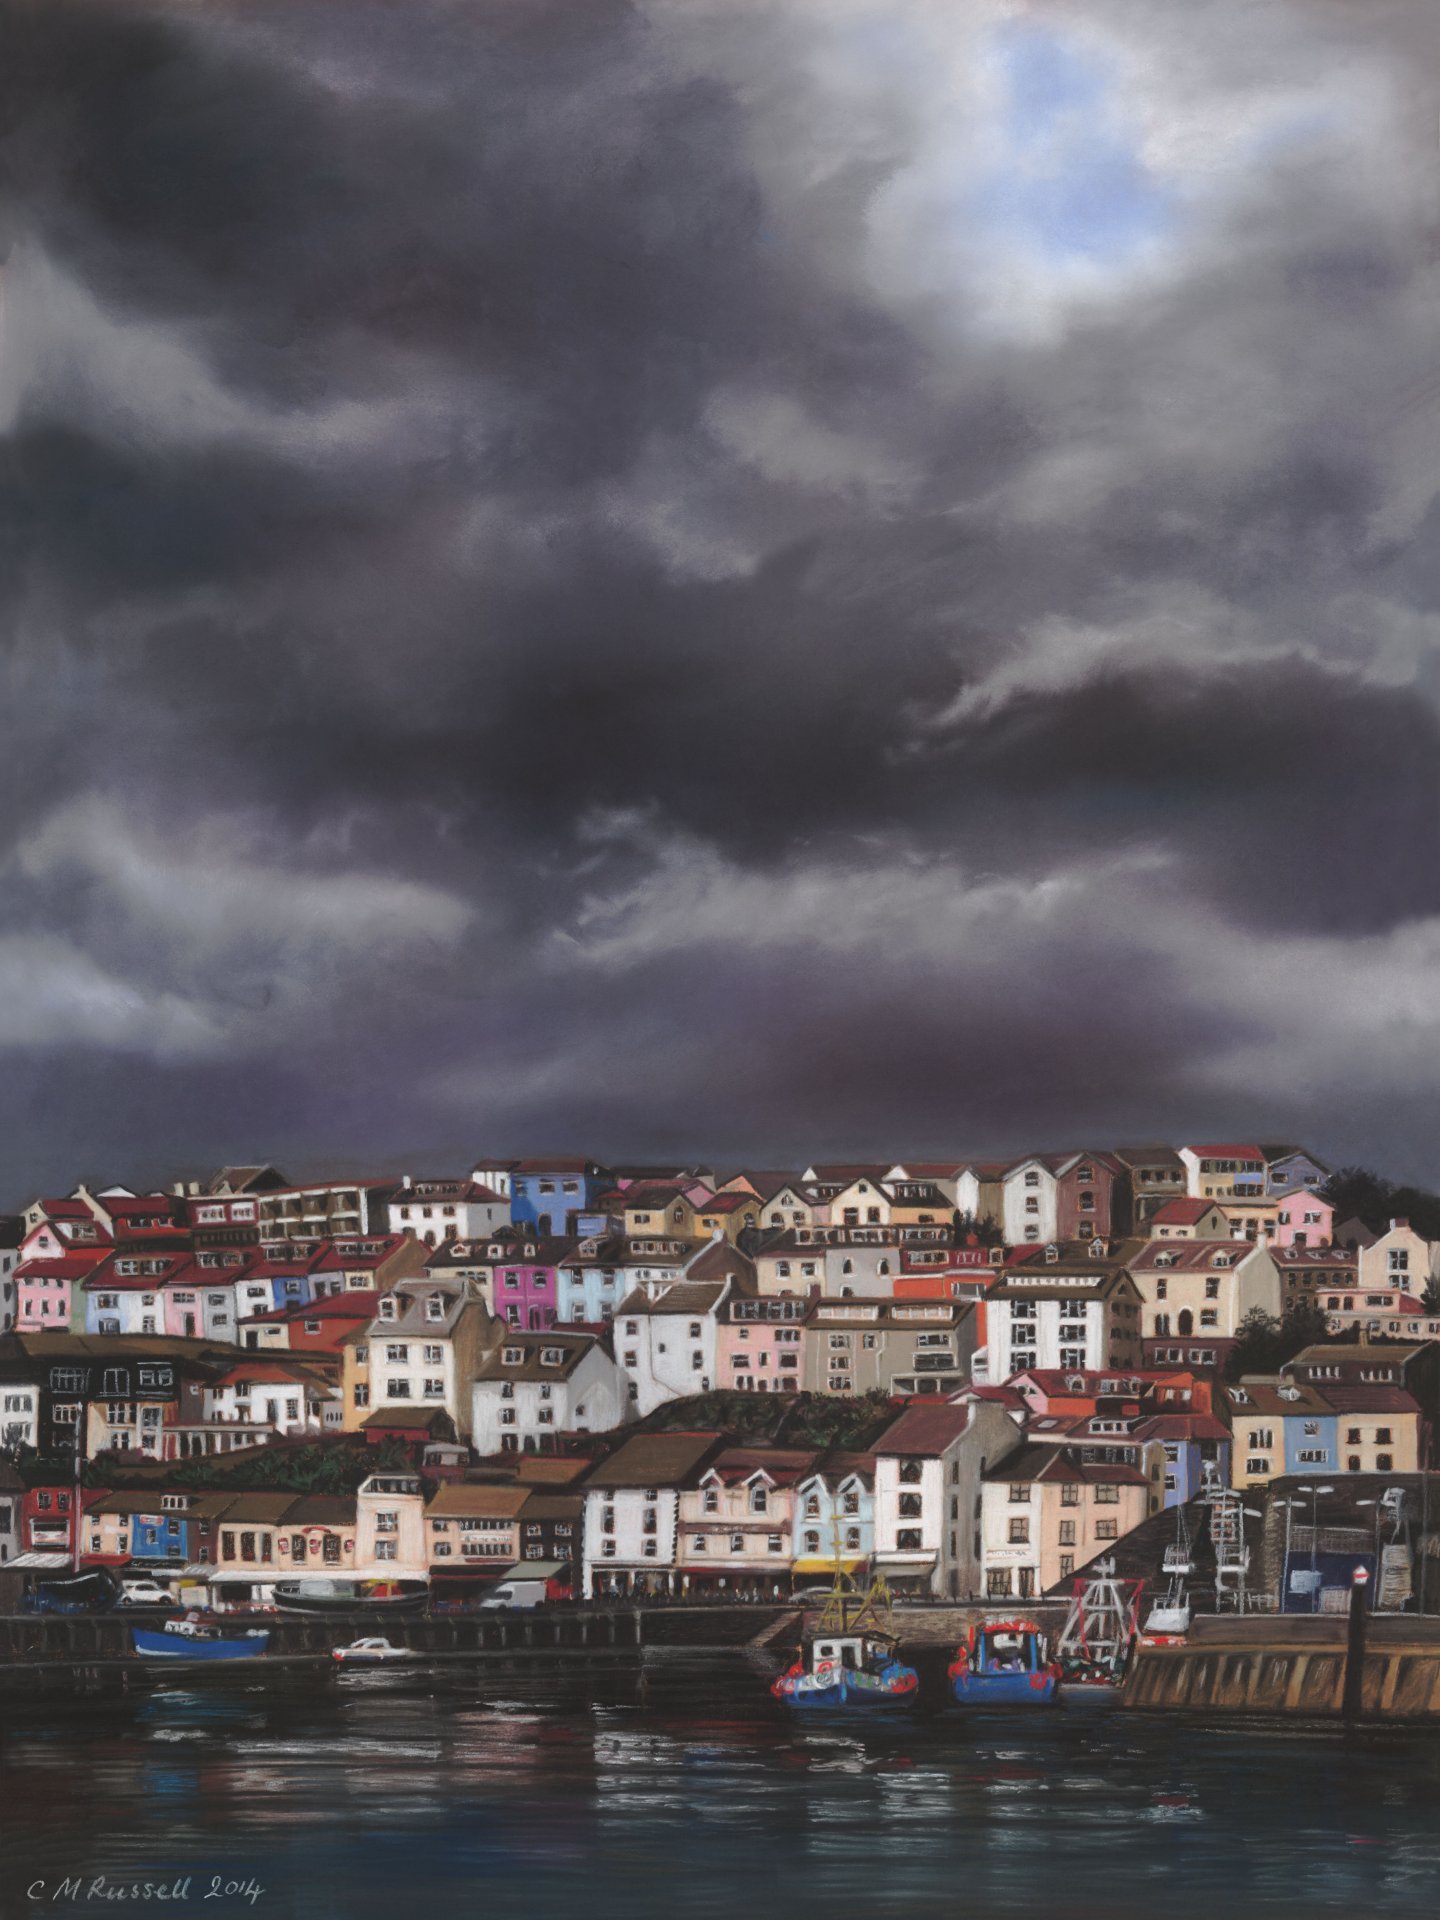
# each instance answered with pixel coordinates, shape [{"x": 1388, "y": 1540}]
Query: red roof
[
  {"x": 1182, "y": 1213},
  {"x": 1223, "y": 1150},
  {"x": 64, "y": 1266},
  {"x": 925, "y": 1429}
]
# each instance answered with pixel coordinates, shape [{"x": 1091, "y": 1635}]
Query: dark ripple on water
[{"x": 589, "y": 1795}]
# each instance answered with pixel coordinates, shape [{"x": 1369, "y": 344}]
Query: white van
[{"x": 515, "y": 1593}]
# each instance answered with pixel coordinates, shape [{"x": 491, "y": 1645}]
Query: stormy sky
[{"x": 745, "y": 578}]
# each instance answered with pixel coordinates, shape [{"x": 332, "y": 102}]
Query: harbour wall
[{"x": 1293, "y": 1666}]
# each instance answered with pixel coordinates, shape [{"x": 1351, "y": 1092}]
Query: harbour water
[{"x": 687, "y": 1793}]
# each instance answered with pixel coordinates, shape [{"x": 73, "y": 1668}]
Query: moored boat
[
  {"x": 850, "y": 1658},
  {"x": 1004, "y": 1663},
  {"x": 1095, "y": 1643},
  {"x": 372, "y": 1651},
  {"x": 342, "y": 1596},
  {"x": 192, "y": 1639}
]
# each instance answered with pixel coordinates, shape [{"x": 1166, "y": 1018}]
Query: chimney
[
  {"x": 1396, "y": 1225},
  {"x": 406, "y": 1181}
]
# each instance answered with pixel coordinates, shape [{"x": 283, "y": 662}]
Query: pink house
[
  {"x": 758, "y": 1344},
  {"x": 517, "y": 1276},
  {"x": 55, "y": 1258},
  {"x": 1304, "y": 1219}
]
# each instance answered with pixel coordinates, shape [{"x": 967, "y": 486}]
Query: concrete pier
[{"x": 1293, "y": 1665}]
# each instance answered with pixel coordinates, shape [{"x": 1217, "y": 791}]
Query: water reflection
[{"x": 377, "y": 1794}]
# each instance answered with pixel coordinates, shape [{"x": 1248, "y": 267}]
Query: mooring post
[{"x": 1355, "y": 1645}]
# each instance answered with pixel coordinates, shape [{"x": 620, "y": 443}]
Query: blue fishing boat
[
  {"x": 1004, "y": 1663},
  {"x": 193, "y": 1639},
  {"x": 849, "y": 1658}
]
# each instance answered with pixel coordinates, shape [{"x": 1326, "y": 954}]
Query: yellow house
[
  {"x": 727, "y": 1215},
  {"x": 655, "y": 1209},
  {"x": 355, "y": 1379}
]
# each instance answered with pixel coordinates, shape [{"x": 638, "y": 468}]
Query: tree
[
  {"x": 1356, "y": 1193},
  {"x": 1263, "y": 1344}
]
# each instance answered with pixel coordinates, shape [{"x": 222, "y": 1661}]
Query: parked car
[
  {"x": 514, "y": 1593},
  {"x": 144, "y": 1593}
]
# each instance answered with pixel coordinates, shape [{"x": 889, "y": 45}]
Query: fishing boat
[
  {"x": 194, "y": 1639},
  {"x": 849, "y": 1659},
  {"x": 1094, "y": 1647},
  {"x": 1004, "y": 1663},
  {"x": 1168, "y": 1621}
]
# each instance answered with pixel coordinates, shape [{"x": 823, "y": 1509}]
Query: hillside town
[{"x": 974, "y": 1379}]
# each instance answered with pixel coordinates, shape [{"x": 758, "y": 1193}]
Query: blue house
[
  {"x": 589, "y": 1286},
  {"x": 550, "y": 1196},
  {"x": 834, "y": 1518},
  {"x": 1193, "y": 1443},
  {"x": 1288, "y": 1167}
]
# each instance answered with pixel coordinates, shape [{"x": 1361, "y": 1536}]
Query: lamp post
[{"x": 1315, "y": 1493}]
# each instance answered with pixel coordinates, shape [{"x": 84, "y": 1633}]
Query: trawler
[
  {"x": 1094, "y": 1647},
  {"x": 1003, "y": 1663},
  {"x": 849, "y": 1658}
]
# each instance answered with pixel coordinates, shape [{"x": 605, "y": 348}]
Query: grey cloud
[{"x": 434, "y": 434}]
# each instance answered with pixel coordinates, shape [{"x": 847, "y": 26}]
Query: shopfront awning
[
  {"x": 37, "y": 1563},
  {"x": 815, "y": 1565}
]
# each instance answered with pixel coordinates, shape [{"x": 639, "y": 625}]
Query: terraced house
[{"x": 888, "y": 1346}]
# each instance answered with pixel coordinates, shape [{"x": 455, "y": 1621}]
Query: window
[
  {"x": 1067, "y": 1533},
  {"x": 1020, "y": 1493},
  {"x": 1107, "y": 1529},
  {"x": 997, "y": 1583},
  {"x": 387, "y": 1521},
  {"x": 387, "y": 1550},
  {"x": 1256, "y": 1464},
  {"x": 911, "y": 1506},
  {"x": 908, "y": 1540},
  {"x": 1019, "y": 1532}
]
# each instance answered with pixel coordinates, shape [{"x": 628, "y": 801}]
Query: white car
[
  {"x": 373, "y": 1651},
  {"x": 144, "y": 1593}
]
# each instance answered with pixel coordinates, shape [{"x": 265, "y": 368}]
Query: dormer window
[
  {"x": 512, "y": 1356},
  {"x": 387, "y": 1309},
  {"x": 552, "y": 1356}
]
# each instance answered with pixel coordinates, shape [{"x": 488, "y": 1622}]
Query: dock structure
[{"x": 1294, "y": 1665}]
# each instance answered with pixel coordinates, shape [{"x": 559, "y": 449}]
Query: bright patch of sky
[{"x": 1068, "y": 182}]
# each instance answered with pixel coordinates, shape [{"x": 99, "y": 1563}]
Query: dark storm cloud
[{"x": 631, "y": 576}]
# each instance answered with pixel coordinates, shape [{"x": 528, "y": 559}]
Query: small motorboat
[
  {"x": 372, "y": 1651},
  {"x": 850, "y": 1657},
  {"x": 1004, "y": 1663},
  {"x": 192, "y": 1638}
]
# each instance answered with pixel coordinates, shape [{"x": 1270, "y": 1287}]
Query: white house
[
  {"x": 535, "y": 1385},
  {"x": 928, "y": 1465},
  {"x": 667, "y": 1340},
  {"x": 438, "y": 1210},
  {"x": 1060, "y": 1313},
  {"x": 1030, "y": 1202},
  {"x": 632, "y": 1503},
  {"x": 284, "y": 1395}
]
